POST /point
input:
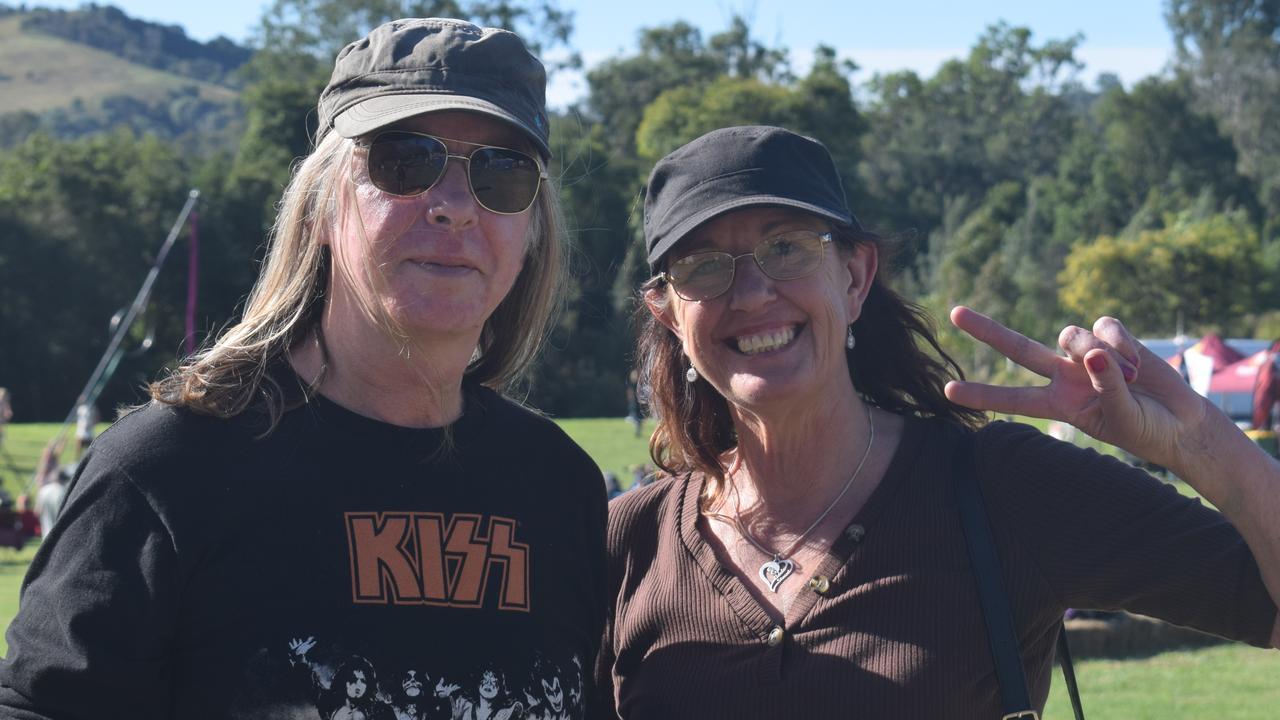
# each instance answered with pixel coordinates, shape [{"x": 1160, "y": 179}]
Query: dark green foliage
[
  {"x": 583, "y": 370},
  {"x": 82, "y": 223},
  {"x": 670, "y": 57},
  {"x": 1231, "y": 50},
  {"x": 181, "y": 115}
]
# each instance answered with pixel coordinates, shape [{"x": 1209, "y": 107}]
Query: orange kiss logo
[{"x": 419, "y": 559}]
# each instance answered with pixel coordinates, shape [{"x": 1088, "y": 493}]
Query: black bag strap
[
  {"x": 1069, "y": 672},
  {"x": 996, "y": 612}
]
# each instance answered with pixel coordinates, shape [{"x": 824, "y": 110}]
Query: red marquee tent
[
  {"x": 1211, "y": 346},
  {"x": 1239, "y": 376}
]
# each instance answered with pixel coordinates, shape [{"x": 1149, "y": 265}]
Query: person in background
[
  {"x": 634, "y": 416},
  {"x": 6, "y": 412},
  {"x": 1266, "y": 390},
  {"x": 803, "y": 555},
  {"x": 339, "y": 475},
  {"x": 86, "y": 427},
  {"x": 51, "y": 480},
  {"x": 611, "y": 488}
]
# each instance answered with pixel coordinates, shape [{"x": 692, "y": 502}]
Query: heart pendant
[{"x": 775, "y": 571}]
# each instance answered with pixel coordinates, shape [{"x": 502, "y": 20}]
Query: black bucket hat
[
  {"x": 734, "y": 168},
  {"x": 412, "y": 66}
]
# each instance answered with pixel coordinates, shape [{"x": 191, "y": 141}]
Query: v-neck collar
[{"x": 833, "y": 563}]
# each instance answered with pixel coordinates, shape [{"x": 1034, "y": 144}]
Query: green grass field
[
  {"x": 13, "y": 566},
  {"x": 1227, "y": 682},
  {"x": 1231, "y": 682},
  {"x": 612, "y": 443}
]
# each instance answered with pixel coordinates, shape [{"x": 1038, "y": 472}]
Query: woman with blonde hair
[{"x": 339, "y": 474}]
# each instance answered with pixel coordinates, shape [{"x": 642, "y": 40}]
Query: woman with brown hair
[
  {"x": 805, "y": 556},
  {"x": 339, "y": 474}
]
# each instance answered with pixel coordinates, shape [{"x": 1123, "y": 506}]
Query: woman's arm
[{"x": 1113, "y": 388}]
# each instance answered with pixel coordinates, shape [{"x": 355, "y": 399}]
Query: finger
[
  {"x": 1114, "y": 333},
  {"x": 1028, "y": 401},
  {"x": 1014, "y": 345},
  {"x": 1156, "y": 369},
  {"x": 1078, "y": 342},
  {"x": 1109, "y": 383}
]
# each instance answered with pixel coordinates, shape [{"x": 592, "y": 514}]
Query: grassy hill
[{"x": 40, "y": 72}]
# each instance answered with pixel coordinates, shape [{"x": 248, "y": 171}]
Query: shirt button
[
  {"x": 855, "y": 532},
  {"x": 820, "y": 584},
  {"x": 775, "y": 637}
]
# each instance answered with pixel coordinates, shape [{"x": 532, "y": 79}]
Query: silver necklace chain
[{"x": 774, "y": 572}]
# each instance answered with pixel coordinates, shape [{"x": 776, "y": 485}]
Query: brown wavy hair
[{"x": 899, "y": 366}]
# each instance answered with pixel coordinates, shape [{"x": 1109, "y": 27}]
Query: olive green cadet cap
[{"x": 419, "y": 65}]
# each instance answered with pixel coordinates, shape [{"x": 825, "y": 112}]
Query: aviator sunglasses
[
  {"x": 502, "y": 180},
  {"x": 707, "y": 275}
]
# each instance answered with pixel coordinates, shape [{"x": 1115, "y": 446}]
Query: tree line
[
  {"x": 1001, "y": 181},
  {"x": 164, "y": 47}
]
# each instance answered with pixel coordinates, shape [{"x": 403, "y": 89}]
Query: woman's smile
[{"x": 767, "y": 341}]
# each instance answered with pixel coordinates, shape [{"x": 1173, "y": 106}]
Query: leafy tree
[
  {"x": 682, "y": 114},
  {"x": 820, "y": 105},
  {"x": 671, "y": 57},
  {"x": 321, "y": 28},
  {"x": 974, "y": 268},
  {"x": 1232, "y": 50},
  {"x": 85, "y": 218},
  {"x": 583, "y": 369},
  {"x": 1209, "y": 271},
  {"x": 1160, "y": 143},
  {"x": 997, "y": 115}
]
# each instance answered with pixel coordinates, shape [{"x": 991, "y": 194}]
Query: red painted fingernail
[
  {"x": 1128, "y": 372},
  {"x": 1096, "y": 363}
]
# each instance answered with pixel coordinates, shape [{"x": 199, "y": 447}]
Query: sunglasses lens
[
  {"x": 701, "y": 276},
  {"x": 504, "y": 181},
  {"x": 790, "y": 255},
  {"x": 404, "y": 163}
]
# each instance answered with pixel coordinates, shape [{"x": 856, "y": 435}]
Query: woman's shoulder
[
  {"x": 1000, "y": 439},
  {"x": 1019, "y": 447},
  {"x": 534, "y": 442},
  {"x": 521, "y": 423},
  {"x": 1023, "y": 468},
  {"x": 643, "y": 509},
  {"x": 157, "y": 432},
  {"x": 162, "y": 455}
]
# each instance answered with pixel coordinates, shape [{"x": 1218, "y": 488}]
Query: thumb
[{"x": 1108, "y": 381}]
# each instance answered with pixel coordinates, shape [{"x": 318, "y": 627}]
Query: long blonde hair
[{"x": 232, "y": 374}]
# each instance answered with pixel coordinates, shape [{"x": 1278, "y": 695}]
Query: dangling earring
[
  {"x": 849, "y": 340},
  {"x": 691, "y": 375}
]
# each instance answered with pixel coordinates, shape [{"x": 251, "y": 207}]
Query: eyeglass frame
[
  {"x": 366, "y": 143},
  {"x": 664, "y": 277}
]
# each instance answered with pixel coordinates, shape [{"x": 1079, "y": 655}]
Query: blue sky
[{"x": 1126, "y": 37}]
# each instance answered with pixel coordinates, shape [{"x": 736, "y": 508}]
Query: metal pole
[{"x": 89, "y": 393}]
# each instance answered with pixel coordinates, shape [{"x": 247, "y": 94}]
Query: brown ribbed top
[{"x": 899, "y": 633}]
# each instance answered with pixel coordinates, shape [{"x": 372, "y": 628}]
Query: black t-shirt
[{"x": 339, "y": 567}]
